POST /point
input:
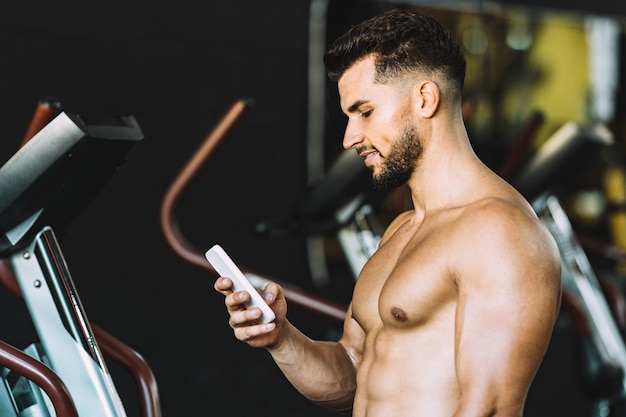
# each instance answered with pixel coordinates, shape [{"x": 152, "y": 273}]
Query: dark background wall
[{"x": 177, "y": 67}]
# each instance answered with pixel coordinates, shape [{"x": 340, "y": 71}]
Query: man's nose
[{"x": 352, "y": 135}]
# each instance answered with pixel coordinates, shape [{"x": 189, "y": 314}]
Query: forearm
[{"x": 321, "y": 371}]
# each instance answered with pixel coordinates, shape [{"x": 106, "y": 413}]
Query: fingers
[
  {"x": 244, "y": 317},
  {"x": 271, "y": 292},
  {"x": 243, "y": 323},
  {"x": 223, "y": 285},
  {"x": 247, "y": 333},
  {"x": 235, "y": 301},
  {"x": 240, "y": 315}
]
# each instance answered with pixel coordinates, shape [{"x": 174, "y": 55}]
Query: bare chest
[{"x": 407, "y": 282}]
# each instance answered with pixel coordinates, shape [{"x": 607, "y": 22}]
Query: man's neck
[{"x": 446, "y": 173}]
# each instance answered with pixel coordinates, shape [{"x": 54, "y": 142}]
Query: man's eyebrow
[{"x": 354, "y": 107}]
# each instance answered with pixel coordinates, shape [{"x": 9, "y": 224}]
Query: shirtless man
[{"x": 453, "y": 314}]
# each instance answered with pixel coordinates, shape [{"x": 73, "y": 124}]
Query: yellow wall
[{"x": 561, "y": 53}]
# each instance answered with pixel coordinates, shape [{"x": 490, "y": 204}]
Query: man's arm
[
  {"x": 324, "y": 372},
  {"x": 509, "y": 290}
]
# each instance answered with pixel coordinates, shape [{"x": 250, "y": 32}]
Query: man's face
[{"x": 379, "y": 125}]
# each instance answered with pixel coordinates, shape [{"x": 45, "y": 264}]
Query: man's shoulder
[
  {"x": 507, "y": 213},
  {"x": 504, "y": 227}
]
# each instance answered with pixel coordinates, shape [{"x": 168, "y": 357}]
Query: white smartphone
[{"x": 225, "y": 267}]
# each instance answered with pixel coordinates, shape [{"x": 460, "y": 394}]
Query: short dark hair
[{"x": 401, "y": 41}]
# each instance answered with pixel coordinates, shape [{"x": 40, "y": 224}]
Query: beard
[{"x": 398, "y": 166}]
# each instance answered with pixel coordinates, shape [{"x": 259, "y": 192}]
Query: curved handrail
[
  {"x": 187, "y": 252},
  {"x": 136, "y": 365},
  {"x": 40, "y": 374}
]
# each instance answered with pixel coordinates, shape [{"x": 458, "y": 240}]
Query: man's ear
[{"x": 427, "y": 98}]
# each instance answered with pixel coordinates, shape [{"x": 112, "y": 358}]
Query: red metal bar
[
  {"x": 186, "y": 251},
  {"x": 45, "y": 111},
  {"x": 40, "y": 374},
  {"x": 137, "y": 366}
]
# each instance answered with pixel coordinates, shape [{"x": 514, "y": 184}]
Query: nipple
[{"x": 398, "y": 314}]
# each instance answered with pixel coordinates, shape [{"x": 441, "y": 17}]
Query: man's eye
[{"x": 366, "y": 113}]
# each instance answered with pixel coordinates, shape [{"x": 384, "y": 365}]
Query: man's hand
[{"x": 244, "y": 322}]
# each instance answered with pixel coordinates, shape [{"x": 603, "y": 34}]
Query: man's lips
[{"x": 369, "y": 156}]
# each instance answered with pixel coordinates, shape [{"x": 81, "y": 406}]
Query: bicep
[{"x": 506, "y": 310}]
